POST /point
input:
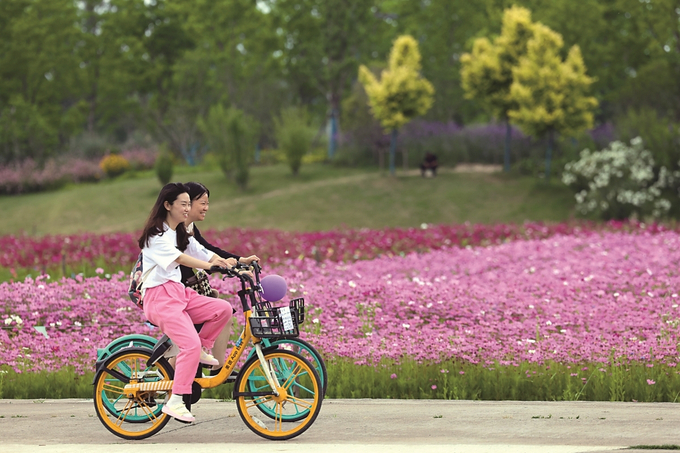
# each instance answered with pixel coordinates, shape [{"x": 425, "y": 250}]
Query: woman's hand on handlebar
[
  {"x": 224, "y": 263},
  {"x": 248, "y": 259}
]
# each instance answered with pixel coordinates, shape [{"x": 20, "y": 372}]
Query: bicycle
[
  {"x": 160, "y": 346},
  {"x": 283, "y": 385}
]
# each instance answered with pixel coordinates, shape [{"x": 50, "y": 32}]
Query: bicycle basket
[
  {"x": 263, "y": 307},
  {"x": 274, "y": 322}
]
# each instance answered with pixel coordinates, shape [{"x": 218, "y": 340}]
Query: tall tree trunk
[
  {"x": 333, "y": 134},
  {"x": 506, "y": 151},
  {"x": 393, "y": 150},
  {"x": 548, "y": 155}
]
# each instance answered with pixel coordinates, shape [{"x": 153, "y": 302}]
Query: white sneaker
[
  {"x": 178, "y": 411},
  {"x": 208, "y": 359}
]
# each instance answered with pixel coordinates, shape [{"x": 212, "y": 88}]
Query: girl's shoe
[
  {"x": 208, "y": 359},
  {"x": 178, "y": 411}
]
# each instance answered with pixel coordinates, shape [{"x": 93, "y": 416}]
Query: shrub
[
  {"x": 294, "y": 136},
  {"x": 28, "y": 176},
  {"x": 164, "y": 166},
  {"x": 114, "y": 165},
  {"x": 619, "y": 181},
  {"x": 231, "y": 136},
  {"x": 140, "y": 158},
  {"x": 89, "y": 146}
]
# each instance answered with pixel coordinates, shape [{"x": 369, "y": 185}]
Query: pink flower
[
  {"x": 434, "y": 387},
  {"x": 650, "y": 382},
  {"x": 99, "y": 270},
  {"x": 393, "y": 376},
  {"x": 461, "y": 372}
]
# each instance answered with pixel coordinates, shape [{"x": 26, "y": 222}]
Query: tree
[
  {"x": 401, "y": 94},
  {"x": 487, "y": 72},
  {"x": 322, "y": 42},
  {"x": 293, "y": 135},
  {"x": 38, "y": 76},
  {"x": 443, "y": 29},
  {"x": 551, "y": 94}
]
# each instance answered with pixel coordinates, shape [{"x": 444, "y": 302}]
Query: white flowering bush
[{"x": 619, "y": 181}]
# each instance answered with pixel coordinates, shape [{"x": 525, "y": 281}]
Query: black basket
[
  {"x": 267, "y": 322},
  {"x": 297, "y": 306}
]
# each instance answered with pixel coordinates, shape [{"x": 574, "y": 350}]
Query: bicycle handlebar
[
  {"x": 234, "y": 271},
  {"x": 249, "y": 288}
]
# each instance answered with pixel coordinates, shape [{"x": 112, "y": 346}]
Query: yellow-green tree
[
  {"x": 551, "y": 94},
  {"x": 401, "y": 93},
  {"x": 486, "y": 72}
]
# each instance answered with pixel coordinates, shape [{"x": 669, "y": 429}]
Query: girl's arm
[{"x": 190, "y": 261}]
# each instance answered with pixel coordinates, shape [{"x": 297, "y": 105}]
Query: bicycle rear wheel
[
  {"x": 295, "y": 408},
  {"x": 131, "y": 418}
]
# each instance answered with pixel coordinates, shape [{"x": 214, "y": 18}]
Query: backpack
[{"x": 137, "y": 278}]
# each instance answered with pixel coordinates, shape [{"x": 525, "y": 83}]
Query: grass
[
  {"x": 450, "y": 380},
  {"x": 321, "y": 197}
]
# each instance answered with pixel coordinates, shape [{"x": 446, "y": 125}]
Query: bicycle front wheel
[
  {"x": 131, "y": 418},
  {"x": 297, "y": 404}
]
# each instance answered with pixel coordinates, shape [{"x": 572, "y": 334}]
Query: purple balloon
[{"x": 273, "y": 288}]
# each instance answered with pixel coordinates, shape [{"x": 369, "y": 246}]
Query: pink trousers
[{"x": 175, "y": 309}]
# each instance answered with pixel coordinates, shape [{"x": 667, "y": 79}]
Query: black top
[{"x": 187, "y": 271}]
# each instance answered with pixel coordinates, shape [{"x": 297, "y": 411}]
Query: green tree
[
  {"x": 487, "y": 72},
  {"x": 293, "y": 135},
  {"x": 38, "y": 76},
  {"x": 551, "y": 94},
  {"x": 231, "y": 135},
  {"x": 651, "y": 59},
  {"x": 321, "y": 44},
  {"x": 401, "y": 93},
  {"x": 443, "y": 29},
  {"x": 235, "y": 44}
]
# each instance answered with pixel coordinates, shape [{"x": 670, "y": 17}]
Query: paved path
[{"x": 393, "y": 426}]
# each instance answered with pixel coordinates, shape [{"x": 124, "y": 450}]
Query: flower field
[
  {"x": 73, "y": 254},
  {"x": 571, "y": 299}
]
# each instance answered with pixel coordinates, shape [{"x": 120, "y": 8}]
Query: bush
[
  {"x": 89, "y": 146},
  {"x": 619, "y": 182},
  {"x": 232, "y": 136},
  {"x": 164, "y": 166},
  {"x": 28, "y": 176},
  {"x": 114, "y": 165},
  {"x": 140, "y": 158},
  {"x": 294, "y": 136}
]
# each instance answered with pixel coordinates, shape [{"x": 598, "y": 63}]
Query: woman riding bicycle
[
  {"x": 175, "y": 309},
  {"x": 200, "y": 204}
]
